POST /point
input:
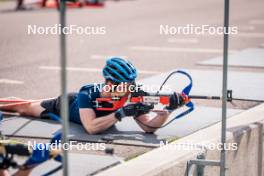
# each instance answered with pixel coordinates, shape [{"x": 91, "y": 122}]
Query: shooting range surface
[{"x": 125, "y": 132}]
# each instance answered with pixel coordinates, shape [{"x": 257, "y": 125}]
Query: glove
[
  {"x": 176, "y": 100},
  {"x": 135, "y": 110}
]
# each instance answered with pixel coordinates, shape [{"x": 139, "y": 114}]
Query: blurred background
[{"x": 29, "y": 64}]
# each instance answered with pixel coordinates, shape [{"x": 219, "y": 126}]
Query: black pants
[{"x": 53, "y": 105}]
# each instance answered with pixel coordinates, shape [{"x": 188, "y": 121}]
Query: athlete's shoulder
[
  {"x": 91, "y": 88},
  {"x": 87, "y": 95}
]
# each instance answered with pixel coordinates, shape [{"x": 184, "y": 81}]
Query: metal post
[
  {"x": 200, "y": 162},
  {"x": 200, "y": 168},
  {"x": 64, "y": 97},
  {"x": 224, "y": 93}
]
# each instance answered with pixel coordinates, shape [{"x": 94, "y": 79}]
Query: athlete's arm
[
  {"x": 95, "y": 125},
  {"x": 176, "y": 101},
  {"x": 156, "y": 121}
]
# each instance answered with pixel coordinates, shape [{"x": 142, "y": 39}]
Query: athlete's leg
[
  {"x": 33, "y": 109},
  {"x": 30, "y": 109},
  {"x": 39, "y": 108}
]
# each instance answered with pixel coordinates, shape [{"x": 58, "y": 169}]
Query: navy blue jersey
[{"x": 86, "y": 99}]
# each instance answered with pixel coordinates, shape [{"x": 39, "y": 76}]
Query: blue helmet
[{"x": 119, "y": 70}]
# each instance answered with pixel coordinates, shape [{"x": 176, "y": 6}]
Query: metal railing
[
  {"x": 201, "y": 162},
  {"x": 64, "y": 103}
]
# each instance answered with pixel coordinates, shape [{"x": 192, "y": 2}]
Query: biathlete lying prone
[{"x": 82, "y": 105}]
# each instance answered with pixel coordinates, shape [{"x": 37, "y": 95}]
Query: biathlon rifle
[{"x": 140, "y": 96}]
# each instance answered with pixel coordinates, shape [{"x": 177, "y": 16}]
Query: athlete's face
[{"x": 119, "y": 90}]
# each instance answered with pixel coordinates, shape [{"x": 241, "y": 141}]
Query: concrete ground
[{"x": 29, "y": 63}]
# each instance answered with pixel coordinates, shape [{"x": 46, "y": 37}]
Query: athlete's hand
[
  {"x": 135, "y": 110},
  {"x": 176, "y": 100}
]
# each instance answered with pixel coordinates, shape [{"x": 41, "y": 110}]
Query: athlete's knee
[
  {"x": 35, "y": 109},
  {"x": 32, "y": 109}
]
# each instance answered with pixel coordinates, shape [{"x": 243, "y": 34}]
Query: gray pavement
[
  {"x": 128, "y": 24},
  {"x": 252, "y": 57},
  {"x": 244, "y": 85},
  {"x": 29, "y": 63}
]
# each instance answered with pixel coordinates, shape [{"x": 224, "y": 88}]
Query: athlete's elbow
[
  {"x": 149, "y": 130},
  {"x": 91, "y": 130}
]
